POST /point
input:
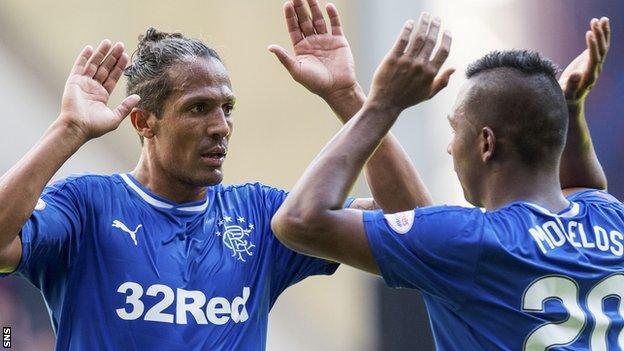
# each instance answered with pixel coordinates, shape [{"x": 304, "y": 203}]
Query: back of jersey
[{"x": 547, "y": 281}]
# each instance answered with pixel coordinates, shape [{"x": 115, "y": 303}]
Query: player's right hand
[
  {"x": 88, "y": 88},
  {"x": 581, "y": 74},
  {"x": 408, "y": 75}
]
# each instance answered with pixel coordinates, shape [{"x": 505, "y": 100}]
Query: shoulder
[
  {"x": 251, "y": 190},
  {"x": 81, "y": 181},
  {"x": 593, "y": 195}
]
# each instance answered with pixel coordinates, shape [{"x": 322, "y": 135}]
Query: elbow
[{"x": 294, "y": 229}]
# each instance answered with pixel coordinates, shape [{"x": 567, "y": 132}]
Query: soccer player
[
  {"x": 165, "y": 257},
  {"x": 534, "y": 269}
]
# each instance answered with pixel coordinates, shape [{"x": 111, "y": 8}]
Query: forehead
[{"x": 200, "y": 76}]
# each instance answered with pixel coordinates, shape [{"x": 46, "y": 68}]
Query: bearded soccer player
[
  {"x": 165, "y": 257},
  {"x": 538, "y": 268}
]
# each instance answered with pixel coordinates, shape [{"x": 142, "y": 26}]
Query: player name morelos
[
  {"x": 554, "y": 234},
  {"x": 217, "y": 310}
]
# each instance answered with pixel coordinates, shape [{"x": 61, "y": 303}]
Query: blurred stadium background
[{"x": 279, "y": 126}]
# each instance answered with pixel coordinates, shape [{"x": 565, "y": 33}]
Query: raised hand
[
  {"x": 88, "y": 88},
  {"x": 408, "y": 75},
  {"x": 581, "y": 74},
  {"x": 322, "y": 61}
]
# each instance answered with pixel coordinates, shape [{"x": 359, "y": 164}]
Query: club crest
[{"x": 236, "y": 236}]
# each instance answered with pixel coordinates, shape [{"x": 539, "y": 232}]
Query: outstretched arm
[
  {"x": 323, "y": 63},
  {"x": 84, "y": 115},
  {"x": 580, "y": 167},
  {"x": 311, "y": 219}
]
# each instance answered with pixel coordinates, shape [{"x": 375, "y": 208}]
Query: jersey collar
[
  {"x": 160, "y": 202},
  {"x": 572, "y": 210}
]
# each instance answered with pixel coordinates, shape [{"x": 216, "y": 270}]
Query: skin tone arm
[
  {"x": 84, "y": 116},
  {"x": 580, "y": 168},
  {"x": 311, "y": 219},
  {"x": 323, "y": 63}
]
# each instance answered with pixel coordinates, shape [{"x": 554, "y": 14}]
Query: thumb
[
  {"x": 282, "y": 55},
  {"x": 572, "y": 84},
  {"x": 126, "y": 106},
  {"x": 441, "y": 81}
]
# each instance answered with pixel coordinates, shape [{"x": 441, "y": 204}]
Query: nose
[
  {"x": 221, "y": 126},
  {"x": 448, "y": 149}
]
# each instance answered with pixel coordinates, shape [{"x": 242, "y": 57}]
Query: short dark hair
[
  {"x": 525, "y": 61},
  {"x": 157, "y": 52},
  {"x": 519, "y": 97}
]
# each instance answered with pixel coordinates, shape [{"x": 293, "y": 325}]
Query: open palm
[
  {"x": 89, "y": 86},
  {"x": 581, "y": 74},
  {"x": 322, "y": 61}
]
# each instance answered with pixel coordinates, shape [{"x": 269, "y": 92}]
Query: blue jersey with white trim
[
  {"x": 123, "y": 269},
  {"x": 518, "y": 278}
]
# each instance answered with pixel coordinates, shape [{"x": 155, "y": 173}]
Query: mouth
[{"x": 214, "y": 157}]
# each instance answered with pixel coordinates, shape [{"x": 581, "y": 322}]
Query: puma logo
[{"x": 118, "y": 224}]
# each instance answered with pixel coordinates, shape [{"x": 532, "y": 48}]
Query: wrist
[
  {"x": 69, "y": 131},
  {"x": 380, "y": 108},
  {"x": 354, "y": 93}
]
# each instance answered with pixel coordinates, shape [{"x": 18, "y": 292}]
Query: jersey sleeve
[
  {"x": 50, "y": 236},
  {"x": 432, "y": 249},
  {"x": 291, "y": 267}
]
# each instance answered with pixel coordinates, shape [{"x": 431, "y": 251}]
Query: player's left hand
[
  {"x": 581, "y": 74},
  {"x": 322, "y": 61}
]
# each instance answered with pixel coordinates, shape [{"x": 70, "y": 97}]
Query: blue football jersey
[
  {"x": 517, "y": 278},
  {"x": 121, "y": 268}
]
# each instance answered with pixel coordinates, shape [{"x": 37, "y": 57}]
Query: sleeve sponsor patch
[{"x": 400, "y": 222}]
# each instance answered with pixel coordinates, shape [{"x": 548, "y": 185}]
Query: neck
[
  {"x": 509, "y": 184},
  {"x": 162, "y": 183}
]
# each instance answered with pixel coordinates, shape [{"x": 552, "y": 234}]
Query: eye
[
  {"x": 228, "y": 108},
  {"x": 197, "y": 108}
]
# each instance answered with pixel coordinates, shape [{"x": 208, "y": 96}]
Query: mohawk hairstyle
[{"x": 525, "y": 61}]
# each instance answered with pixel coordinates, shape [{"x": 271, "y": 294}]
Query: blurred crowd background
[{"x": 280, "y": 127}]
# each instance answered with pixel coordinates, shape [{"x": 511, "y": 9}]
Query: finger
[
  {"x": 572, "y": 85},
  {"x": 97, "y": 58},
  {"x": 403, "y": 38},
  {"x": 593, "y": 63},
  {"x": 305, "y": 23},
  {"x": 421, "y": 33},
  {"x": 432, "y": 39},
  {"x": 600, "y": 38},
  {"x": 126, "y": 106},
  {"x": 109, "y": 63},
  {"x": 441, "y": 81},
  {"x": 317, "y": 17},
  {"x": 81, "y": 60},
  {"x": 606, "y": 29},
  {"x": 334, "y": 19},
  {"x": 283, "y": 56},
  {"x": 443, "y": 50},
  {"x": 291, "y": 23},
  {"x": 115, "y": 73}
]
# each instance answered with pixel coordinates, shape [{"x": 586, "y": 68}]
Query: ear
[
  {"x": 143, "y": 122},
  {"x": 488, "y": 144}
]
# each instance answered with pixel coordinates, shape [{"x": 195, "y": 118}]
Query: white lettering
[
  {"x": 218, "y": 306},
  {"x": 550, "y": 227},
  {"x": 218, "y": 310},
  {"x": 539, "y": 236},
  {"x": 195, "y": 307},
  {"x": 616, "y": 240},
  {"x": 571, "y": 234},
  {"x": 602, "y": 241},
  {"x": 586, "y": 244}
]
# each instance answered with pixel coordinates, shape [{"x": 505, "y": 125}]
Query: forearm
[
  {"x": 580, "y": 167},
  {"x": 327, "y": 181},
  {"x": 390, "y": 174},
  {"x": 22, "y": 185}
]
